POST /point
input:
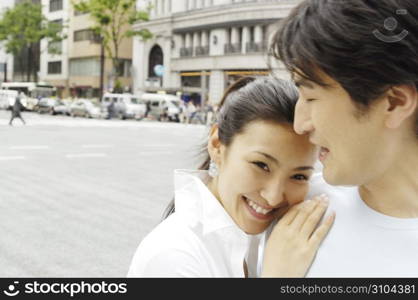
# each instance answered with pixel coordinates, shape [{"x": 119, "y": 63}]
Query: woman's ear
[
  {"x": 402, "y": 104},
  {"x": 214, "y": 144}
]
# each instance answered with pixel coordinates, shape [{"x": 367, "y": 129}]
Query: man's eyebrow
[
  {"x": 302, "y": 168},
  {"x": 303, "y": 82}
]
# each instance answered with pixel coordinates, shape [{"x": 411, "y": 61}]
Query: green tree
[
  {"x": 113, "y": 20},
  {"x": 22, "y": 28}
]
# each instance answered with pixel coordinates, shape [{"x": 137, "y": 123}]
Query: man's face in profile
[{"x": 353, "y": 145}]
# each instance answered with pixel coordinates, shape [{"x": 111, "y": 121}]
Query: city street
[{"x": 78, "y": 195}]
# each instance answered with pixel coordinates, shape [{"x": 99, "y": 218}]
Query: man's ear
[
  {"x": 214, "y": 144},
  {"x": 402, "y": 103}
]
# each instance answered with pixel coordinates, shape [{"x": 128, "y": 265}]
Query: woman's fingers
[
  {"x": 320, "y": 233},
  {"x": 290, "y": 214},
  {"x": 303, "y": 213},
  {"x": 315, "y": 216}
]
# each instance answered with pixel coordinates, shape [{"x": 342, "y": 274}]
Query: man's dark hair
[{"x": 355, "y": 42}]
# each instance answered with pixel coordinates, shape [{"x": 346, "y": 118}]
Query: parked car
[
  {"x": 126, "y": 106},
  {"x": 85, "y": 108},
  {"x": 61, "y": 107},
  {"x": 161, "y": 103},
  {"x": 46, "y": 105}
]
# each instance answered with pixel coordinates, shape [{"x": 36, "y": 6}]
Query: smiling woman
[{"x": 256, "y": 172}]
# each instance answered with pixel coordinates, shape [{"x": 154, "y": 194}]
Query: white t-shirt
[
  {"x": 199, "y": 240},
  {"x": 362, "y": 241}
]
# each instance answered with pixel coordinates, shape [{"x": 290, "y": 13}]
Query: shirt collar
[{"x": 192, "y": 197}]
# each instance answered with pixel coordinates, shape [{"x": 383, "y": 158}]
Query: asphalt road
[{"x": 78, "y": 195}]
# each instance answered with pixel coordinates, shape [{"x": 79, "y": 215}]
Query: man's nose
[{"x": 303, "y": 123}]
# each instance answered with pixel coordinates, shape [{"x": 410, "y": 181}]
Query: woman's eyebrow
[
  {"x": 301, "y": 168},
  {"x": 268, "y": 156}
]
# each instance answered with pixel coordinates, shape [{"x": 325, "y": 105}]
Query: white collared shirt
[{"x": 199, "y": 240}]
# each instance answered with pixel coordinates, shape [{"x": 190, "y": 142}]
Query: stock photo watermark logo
[
  {"x": 390, "y": 24},
  {"x": 11, "y": 290},
  {"x": 70, "y": 289}
]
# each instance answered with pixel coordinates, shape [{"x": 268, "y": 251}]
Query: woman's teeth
[{"x": 258, "y": 208}]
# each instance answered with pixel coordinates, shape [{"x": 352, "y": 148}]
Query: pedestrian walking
[
  {"x": 209, "y": 114},
  {"x": 182, "y": 112},
  {"x": 110, "y": 109},
  {"x": 16, "y": 110},
  {"x": 164, "y": 113},
  {"x": 191, "y": 111},
  {"x": 147, "y": 108}
]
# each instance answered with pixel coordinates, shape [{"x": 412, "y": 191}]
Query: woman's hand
[{"x": 295, "y": 239}]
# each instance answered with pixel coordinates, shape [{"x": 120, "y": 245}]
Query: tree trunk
[
  {"x": 116, "y": 63},
  {"x": 29, "y": 65},
  {"x": 35, "y": 59}
]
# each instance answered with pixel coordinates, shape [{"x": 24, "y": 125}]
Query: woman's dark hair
[
  {"x": 250, "y": 99},
  {"x": 367, "y": 46}
]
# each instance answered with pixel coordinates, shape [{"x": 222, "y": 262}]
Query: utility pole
[
  {"x": 102, "y": 62},
  {"x": 5, "y": 71}
]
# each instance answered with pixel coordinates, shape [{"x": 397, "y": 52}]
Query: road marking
[
  {"x": 155, "y": 152},
  {"x": 97, "y": 146},
  {"x": 12, "y": 157},
  {"x": 159, "y": 145},
  {"x": 28, "y": 147},
  {"x": 86, "y": 155}
]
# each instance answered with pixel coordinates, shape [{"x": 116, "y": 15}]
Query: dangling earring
[{"x": 213, "y": 169}]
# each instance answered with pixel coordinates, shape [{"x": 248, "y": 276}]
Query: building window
[
  {"x": 86, "y": 35},
  {"x": 85, "y": 67},
  {"x": 124, "y": 67},
  {"x": 156, "y": 57},
  {"x": 54, "y": 67},
  {"x": 55, "y": 47},
  {"x": 58, "y": 22},
  {"x": 55, "y": 5}
]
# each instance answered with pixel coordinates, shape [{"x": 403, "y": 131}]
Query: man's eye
[
  {"x": 261, "y": 165},
  {"x": 310, "y": 99},
  {"x": 300, "y": 177}
]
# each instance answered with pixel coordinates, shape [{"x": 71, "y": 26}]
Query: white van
[
  {"x": 33, "y": 92},
  {"x": 8, "y": 98},
  {"x": 158, "y": 102},
  {"x": 127, "y": 106}
]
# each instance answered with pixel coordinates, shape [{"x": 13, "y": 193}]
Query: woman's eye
[
  {"x": 300, "y": 177},
  {"x": 310, "y": 99},
  {"x": 261, "y": 165}
]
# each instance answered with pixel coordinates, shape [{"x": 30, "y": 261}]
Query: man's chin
[{"x": 334, "y": 177}]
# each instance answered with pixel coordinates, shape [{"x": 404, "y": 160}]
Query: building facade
[
  {"x": 204, "y": 45},
  {"x": 55, "y": 55},
  {"x": 77, "y": 69}
]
